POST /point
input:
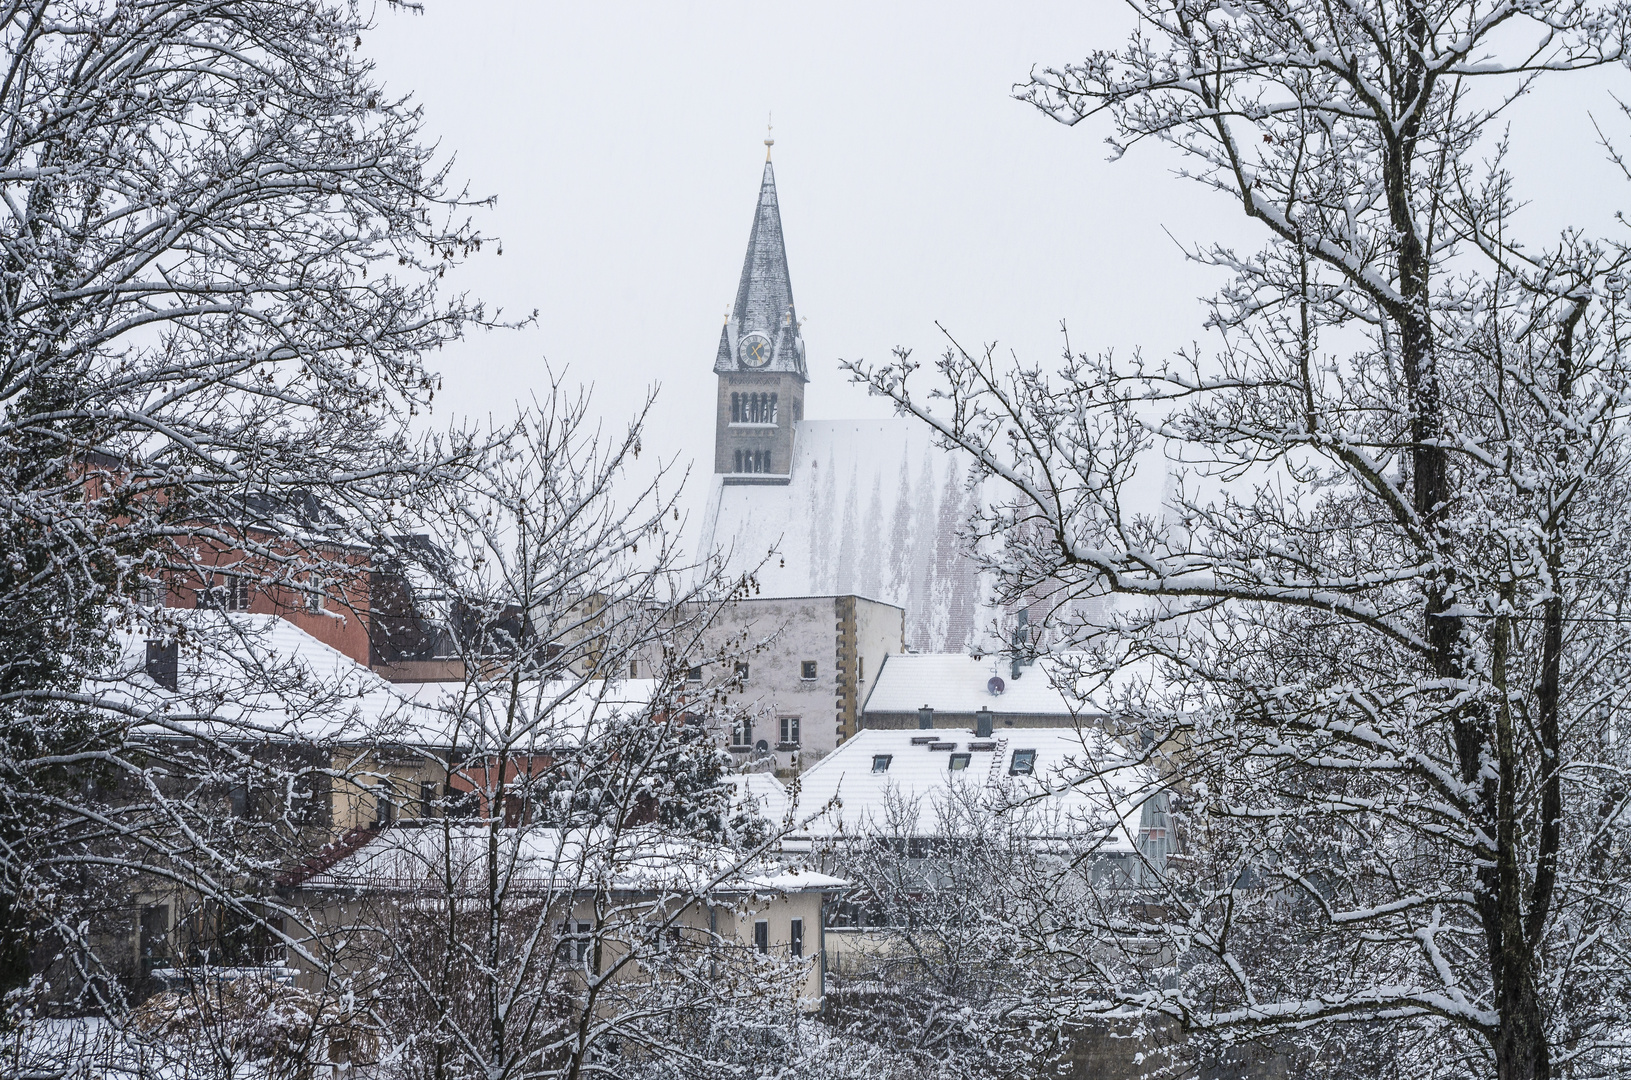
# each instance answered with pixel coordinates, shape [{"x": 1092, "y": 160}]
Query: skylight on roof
[
  {"x": 959, "y": 762},
  {"x": 1023, "y": 763},
  {"x": 880, "y": 762}
]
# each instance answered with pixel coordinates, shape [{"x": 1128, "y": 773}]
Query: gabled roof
[{"x": 764, "y": 296}]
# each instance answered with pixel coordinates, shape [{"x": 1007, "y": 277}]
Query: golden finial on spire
[{"x": 769, "y": 142}]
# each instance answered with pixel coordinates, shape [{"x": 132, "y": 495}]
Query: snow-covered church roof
[{"x": 872, "y": 508}]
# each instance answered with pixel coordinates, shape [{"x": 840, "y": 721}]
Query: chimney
[
  {"x": 925, "y": 718},
  {"x": 982, "y": 724}
]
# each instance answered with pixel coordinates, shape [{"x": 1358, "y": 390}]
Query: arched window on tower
[
  {"x": 765, "y": 462},
  {"x": 736, "y": 408},
  {"x": 739, "y": 461},
  {"x": 773, "y": 408}
]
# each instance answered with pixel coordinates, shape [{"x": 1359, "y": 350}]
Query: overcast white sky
[{"x": 624, "y": 145}]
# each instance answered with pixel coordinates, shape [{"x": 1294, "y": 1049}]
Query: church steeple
[
  {"x": 760, "y": 360},
  {"x": 762, "y": 333}
]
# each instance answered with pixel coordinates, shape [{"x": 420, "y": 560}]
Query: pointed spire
[{"x": 764, "y": 297}]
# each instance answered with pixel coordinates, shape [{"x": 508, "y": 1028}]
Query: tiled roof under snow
[
  {"x": 958, "y": 683},
  {"x": 909, "y": 795},
  {"x": 259, "y": 675},
  {"x": 540, "y": 859},
  {"x": 762, "y": 793},
  {"x": 251, "y": 675},
  {"x": 872, "y": 508}
]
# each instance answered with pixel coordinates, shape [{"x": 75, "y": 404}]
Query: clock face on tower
[{"x": 754, "y": 350}]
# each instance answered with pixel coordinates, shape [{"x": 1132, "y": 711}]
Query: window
[
  {"x": 155, "y": 943},
  {"x": 795, "y": 937},
  {"x": 574, "y": 947},
  {"x": 1023, "y": 763},
  {"x": 164, "y": 663},
  {"x": 384, "y": 808},
  {"x": 880, "y": 762},
  {"x": 694, "y": 674},
  {"x": 860, "y": 667},
  {"x": 152, "y": 592},
  {"x": 427, "y": 798},
  {"x": 634, "y": 669},
  {"x": 238, "y": 796},
  {"x": 790, "y": 730},
  {"x": 959, "y": 762},
  {"x": 807, "y": 669},
  {"x": 316, "y": 602},
  {"x": 761, "y": 936},
  {"x": 662, "y": 941},
  {"x": 230, "y": 593},
  {"x": 742, "y": 732},
  {"x": 741, "y": 672}
]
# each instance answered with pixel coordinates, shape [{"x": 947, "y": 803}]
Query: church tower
[{"x": 760, "y": 362}]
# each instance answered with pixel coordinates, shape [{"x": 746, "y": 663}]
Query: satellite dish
[{"x": 996, "y": 685}]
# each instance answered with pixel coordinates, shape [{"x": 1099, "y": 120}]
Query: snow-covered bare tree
[
  {"x": 220, "y": 250},
  {"x": 937, "y": 974},
  {"x": 1388, "y": 585}
]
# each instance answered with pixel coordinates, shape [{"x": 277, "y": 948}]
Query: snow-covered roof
[
  {"x": 760, "y": 792},
  {"x": 260, "y": 675},
  {"x": 958, "y": 683},
  {"x": 900, "y": 782},
  {"x": 872, "y": 508},
  {"x": 542, "y": 859}
]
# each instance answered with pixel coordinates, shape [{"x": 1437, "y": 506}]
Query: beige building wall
[
  {"x": 731, "y": 920},
  {"x": 845, "y": 638},
  {"x": 364, "y": 779}
]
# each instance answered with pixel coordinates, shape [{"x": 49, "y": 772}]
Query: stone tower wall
[{"x": 776, "y": 438}]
